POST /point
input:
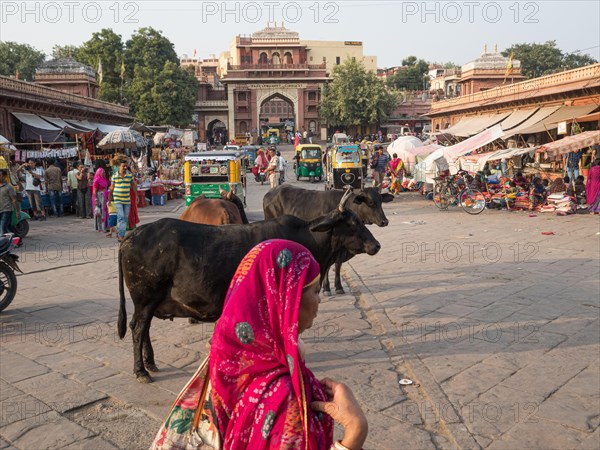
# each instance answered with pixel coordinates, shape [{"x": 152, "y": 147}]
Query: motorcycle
[
  {"x": 19, "y": 227},
  {"x": 8, "y": 266},
  {"x": 260, "y": 174}
]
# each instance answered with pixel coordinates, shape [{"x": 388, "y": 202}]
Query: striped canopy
[
  {"x": 571, "y": 143},
  {"x": 122, "y": 139}
]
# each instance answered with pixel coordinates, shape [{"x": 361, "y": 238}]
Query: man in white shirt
[
  {"x": 34, "y": 176},
  {"x": 273, "y": 169},
  {"x": 282, "y": 164}
]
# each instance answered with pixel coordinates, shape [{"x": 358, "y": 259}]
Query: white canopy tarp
[{"x": 427, "y": 170}]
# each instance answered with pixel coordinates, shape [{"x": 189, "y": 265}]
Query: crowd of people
[{"x": 102, "y": 192}]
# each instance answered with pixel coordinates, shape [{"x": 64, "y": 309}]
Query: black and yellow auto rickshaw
[
  {"x": 308, "y": 162},
  {"x": 272, "y": 136},
  {"x": 344, "y": 167}
]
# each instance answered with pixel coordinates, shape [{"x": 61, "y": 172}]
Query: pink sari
[
  {"x": 101, "y": 184},
  {"x": 262, "y": 389},
  {"x": 592, "y": 189}
]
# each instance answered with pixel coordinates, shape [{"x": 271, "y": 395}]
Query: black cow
[
  {"x": 174, "y": 268},
  {"x": 310, "y": 204}
]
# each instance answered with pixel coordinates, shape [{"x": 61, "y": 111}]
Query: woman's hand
[{"x": 345, "y": 410}]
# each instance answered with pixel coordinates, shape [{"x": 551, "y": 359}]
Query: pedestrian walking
[
  {"x": 72, "y": 183},
  {"x": 34, "y": 176},
  {"x": 54, "y": 183},
  {"x": 100, "y": 186},
  {"x": 282, "y": 164},
  {"x": 379, "y": 166},
  {"x": 273, "y": 169},
  {"x": 83, "y": 186},
  {"x": 8, "y": 201},
  {"x": 120, "y": 194}
]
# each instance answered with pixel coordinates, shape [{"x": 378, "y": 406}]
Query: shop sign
[{"x": 562, "y": 128}]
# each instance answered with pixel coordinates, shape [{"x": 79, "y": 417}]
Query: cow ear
[
  {"x": 386, "y": 198},
  {"x": 359, "y": 198},
  {"x": 326, "y": 224}
]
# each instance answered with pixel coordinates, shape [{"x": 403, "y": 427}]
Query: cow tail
[{"x": 122, "y": 322}]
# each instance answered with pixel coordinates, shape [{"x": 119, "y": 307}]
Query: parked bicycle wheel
[
  {"x": 441, "y": 196},
  {"x": 472, "y": 201}
]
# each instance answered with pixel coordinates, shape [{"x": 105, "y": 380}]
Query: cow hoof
[
  {"x": 190, "y": 320},
  {"x": 340, "y": 291},
  {"x": 327, "y": 293},
  {"x": 151, "y": 367},
  {"x": 144, "y": 379}
]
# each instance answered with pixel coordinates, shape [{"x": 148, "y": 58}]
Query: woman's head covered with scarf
[{"x": 261, "y": 387}]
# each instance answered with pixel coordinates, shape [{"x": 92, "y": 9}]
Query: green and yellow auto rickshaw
[
  {"x": 308, "y": 162},
  {"x": 206, "y": 173}
]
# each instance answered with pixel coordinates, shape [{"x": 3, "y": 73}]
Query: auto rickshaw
[
  {"x": 344, "y": 167},
  {"x": 272, "y": 132},
  {"x": 206, "y": 173},
  {"x": 308, "y": 162}
]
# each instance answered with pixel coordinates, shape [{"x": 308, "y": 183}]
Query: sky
[{"x": 445, "y": 31}]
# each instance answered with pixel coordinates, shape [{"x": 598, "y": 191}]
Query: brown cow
[{"x": 227, "y": 210}]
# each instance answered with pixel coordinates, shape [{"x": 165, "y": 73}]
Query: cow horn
[{"x": 344, "y": 199}]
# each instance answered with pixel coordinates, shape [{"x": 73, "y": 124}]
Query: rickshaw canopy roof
[{"x": 213, "y": 155}]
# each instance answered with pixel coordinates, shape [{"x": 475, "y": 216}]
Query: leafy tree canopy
[
  {"x": 412, "y": 76},
  {"x": 355, "y": 96},
  {"x": 19, "y": 57},
  {"x": 544, "y": 59}
]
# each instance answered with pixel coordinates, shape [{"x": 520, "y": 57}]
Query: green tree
[
  {"x": 65, "y": 51},
  {"x": 543, "y": 59},
  {"x": 355, "y": 96},
  {"x": 148, "y": 48},
  {"x": 412, "y": 76},
  {"x": 168, "y": 98},
  {"x": 19, "y": 57},
  {"x": 106, "y": 47}
]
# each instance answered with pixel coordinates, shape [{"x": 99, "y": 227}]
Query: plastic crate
[
  {"x": 159, "y": 200},
  {"x": 157, "y": 190}
]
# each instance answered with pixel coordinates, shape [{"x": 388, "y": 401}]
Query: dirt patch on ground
[{"x": 121, "y": 424}]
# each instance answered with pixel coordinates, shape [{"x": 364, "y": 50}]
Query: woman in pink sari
[
  {"x": 592, "y": 187},
  {"x": 263, "y": 394},
  {"x": 100, "y": 196}
]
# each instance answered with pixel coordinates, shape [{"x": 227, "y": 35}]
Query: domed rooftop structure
[
  {"x": 493, "y": 61},
  {"x": 64, "y": 66},
  {"x": 68, "y": 75},
  {"x": 275, "y": 33}
]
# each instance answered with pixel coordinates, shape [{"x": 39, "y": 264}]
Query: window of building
[
  {"x": 287, "y": 57},
  {"x": 242, "y": 96},
  {"x": 243, "y": 126},
  {"x": 312, "y": 126},
  {"x": 337, "y": 60},
  {"x": 276, "y": 59},
  {"x": 312, "y": 96},
  {"x": 263, "y": 58},
  {"x": 311, "y": 58}
]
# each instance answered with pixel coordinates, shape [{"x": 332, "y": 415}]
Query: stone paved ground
[{"x": 496, "y": 323}]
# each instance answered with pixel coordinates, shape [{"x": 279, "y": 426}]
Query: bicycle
[{"x": 453, "y": 191}]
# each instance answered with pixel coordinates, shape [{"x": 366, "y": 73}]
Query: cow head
[
  {"x": 348, "y": 232},
  {"x": 231, "y": 197},
  {"x": 367, "y": 204}
]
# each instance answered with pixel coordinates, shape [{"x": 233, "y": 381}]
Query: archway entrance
[
  {"x": 277, "y": 111},
  {"x": 216, "y": 133}
]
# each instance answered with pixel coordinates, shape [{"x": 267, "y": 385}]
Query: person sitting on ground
[
  {"x": 537, "y": 194},
  {"x": 546, "y": 183},
  {"x": 263, "y": 394},
  {"x": 558, "y": 186},
  {"x": 521, "y": 180},
  {"x": 569, "y": 186},
  {"x": 396, "y": 168},
  {"x": 579, "y": 190}
]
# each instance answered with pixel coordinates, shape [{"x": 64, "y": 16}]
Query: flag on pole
[
  {"x": 122, "y": 75},
  {"x": 509, "y": 67},
  {"x": 100, "y": 75},
  {"x": 17, "y": 74},
  {"x": 194, "y": 53}
]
